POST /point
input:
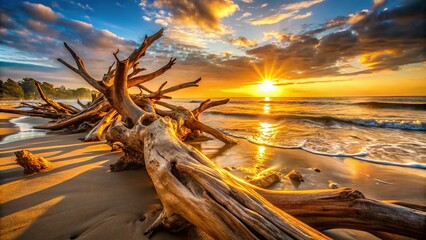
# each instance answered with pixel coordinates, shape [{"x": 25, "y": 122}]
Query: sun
[{"x": 267, "y": 86}]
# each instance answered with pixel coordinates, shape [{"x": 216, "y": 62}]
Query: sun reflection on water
[
  {"x": 266, "y": 108},
  {"x": 266, "y": 132}
]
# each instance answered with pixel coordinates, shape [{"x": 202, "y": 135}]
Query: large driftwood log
[
  {"x": 192, "y": 189},
  {"x": 348, "y": 208},
  {"x": 31, "y": 163}
]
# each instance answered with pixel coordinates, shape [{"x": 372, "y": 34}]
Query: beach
[
  {"x": 80, "y": 197},
  {"x": 6, "y": 127}
]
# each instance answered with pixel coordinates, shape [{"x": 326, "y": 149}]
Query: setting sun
[{"x": 267, "y": 86}]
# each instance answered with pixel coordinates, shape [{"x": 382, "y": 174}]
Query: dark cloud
[{"x": 379, "y": 40}]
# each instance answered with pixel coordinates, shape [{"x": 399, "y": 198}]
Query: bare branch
[
  {"x": 175, "y": 88},
  {"x": 136, "y": 70},
  {"x": 141, "y": 87},
  {"x": 147, "y": 77},
  {"x": 197, "y": 125},
  {"x": 81, "y": 69},
  {"x": 119, "y": 97},
  {"x": 167, "y": 105},
  {"x": 206, "y": 105},
  {"x": 106, "y": 79},
  {"x": 140, "y": 52},
  {"x": 58, "y": 107},
  {"x": 78, "y": 118}
]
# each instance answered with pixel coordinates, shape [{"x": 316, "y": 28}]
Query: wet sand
[
  {"x": 6, "y": 127},
  {"x": 81, "y": 198},
  {"x": 377, "y": 181}
]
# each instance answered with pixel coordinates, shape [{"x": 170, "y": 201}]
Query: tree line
[{"x": 26, "y": 89}]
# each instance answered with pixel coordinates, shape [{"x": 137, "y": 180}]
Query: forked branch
[{"x": 81, "y": 69}]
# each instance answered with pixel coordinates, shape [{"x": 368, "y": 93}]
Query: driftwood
[
  {"x": 265, "y": 180},
  {"x": 31, "y": 163},
  {"x": 60, "y": 107},
  {"x": 192, "y": 189},
  {"x": 96, "y": 133}
]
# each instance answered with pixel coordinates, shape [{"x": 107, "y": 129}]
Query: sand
[
  {"x": 6, "y": 127},
  {"x": 81, "y": 198}
]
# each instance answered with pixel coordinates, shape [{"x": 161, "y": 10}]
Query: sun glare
[{"x": 267, "y": 86}]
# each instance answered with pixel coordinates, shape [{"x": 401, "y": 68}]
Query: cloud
[
  {"x": 370, "y": 40},
  {"x": 302, "y": 16},
  {"x": 243, "y": 42},
  {"x": 146, "y": 18},
  {"x": 143, "y": 3},
  {"x": 161, "y": 22},
  {"x": 378, "y": 4},
  {"x": 206, "y": 15},
  {"x": 264, "y": 5},
  {"x": 40, "y": 12},
  {"x": 82, "y": 5},
  {"x": 300, "y": 5},
  {"x": 244, "y": 15},
  {"x": 38, "y": 34},
  {"x": 287, "y": 11},
  {"x": 282, "y": 37},
  {"x": 273, "y": 18},
  {"x": 247, "y": 1},
  {"x": 298, "y": 82}
]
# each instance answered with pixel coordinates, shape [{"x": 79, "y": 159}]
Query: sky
[{"x": 312, "y": 48}]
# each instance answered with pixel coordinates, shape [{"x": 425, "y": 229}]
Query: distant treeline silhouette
[{"x": 26, "y": 89}]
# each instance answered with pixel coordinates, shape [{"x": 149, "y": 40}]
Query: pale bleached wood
[{"x": 96, "y": 133}]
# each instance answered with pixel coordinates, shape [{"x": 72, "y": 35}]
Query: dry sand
[
  {"x": 81, "y": 198},
  {"x": 78, "y": 197}
]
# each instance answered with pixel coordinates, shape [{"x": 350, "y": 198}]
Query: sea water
[
  {"x": 384, "y": 130},
  {"x": 26, "y": 124}
]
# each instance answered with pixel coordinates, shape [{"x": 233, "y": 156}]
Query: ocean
[{"x": 382, "y": 130}]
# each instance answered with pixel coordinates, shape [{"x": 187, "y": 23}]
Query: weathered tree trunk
[
  {"x": 192, "y": 187},
  {"x": 31, "y": 163}
]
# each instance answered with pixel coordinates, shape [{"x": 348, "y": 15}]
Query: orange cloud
[
  {"x": 301, "y": 5},
  {"x": 302, "y": 16},
  {"x": 206, "y": 15},
  {"x": 273, "y": 18},
  {"x": 243, "y": 42},
  {"x": 40, "y": 12}
]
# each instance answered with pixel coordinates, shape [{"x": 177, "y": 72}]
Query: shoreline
[
  {"x": 6, "y": 127},
  {"x": 80, "y": 197}
]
